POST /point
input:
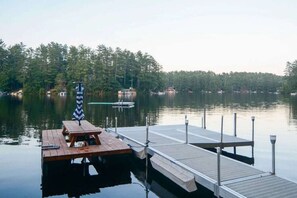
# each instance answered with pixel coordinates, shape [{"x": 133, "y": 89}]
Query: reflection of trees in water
[
  {"x": 293, "y": 108},
  {"x": 245, "y": 101},
  {"x": 39, "y": 113},
  {"x": 12, "y": 117}
]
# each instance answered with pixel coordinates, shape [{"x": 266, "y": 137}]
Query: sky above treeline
[{"x": 212, "y": 35}]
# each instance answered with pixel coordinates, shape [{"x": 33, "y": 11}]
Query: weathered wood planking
[
  {"x": 109, "y": 146},
  {"x": 85, "y": 127}
]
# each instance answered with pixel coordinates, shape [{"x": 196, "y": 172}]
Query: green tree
[{"x": 290, "y": 84}]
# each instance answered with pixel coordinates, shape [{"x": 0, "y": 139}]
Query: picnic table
[{"x": 74, "y": 130}]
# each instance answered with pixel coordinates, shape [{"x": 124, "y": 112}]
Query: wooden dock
[
  {"x": 60, "y": 150},
  {"x": 237, "y": 180}
]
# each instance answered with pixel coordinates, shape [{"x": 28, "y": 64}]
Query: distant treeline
[
  {"x": 227, "y": 82},
  {"x": 56, "y": 66}
]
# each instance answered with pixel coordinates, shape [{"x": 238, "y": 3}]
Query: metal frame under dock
[{"x": 224, "y": 176}]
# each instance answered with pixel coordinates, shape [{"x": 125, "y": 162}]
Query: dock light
[
  {"x": 116, "y": 125},
  {"x": 253, "y": 118},
  {"x": 273, "y": 140}
]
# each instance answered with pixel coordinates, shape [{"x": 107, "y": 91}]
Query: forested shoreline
[{"x": 56, "y": 66}]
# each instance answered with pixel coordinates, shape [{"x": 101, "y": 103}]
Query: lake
[{"x": 23, "y": 119}]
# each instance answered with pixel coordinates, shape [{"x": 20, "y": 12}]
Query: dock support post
[
  {"x": 222, "y": 127},
  {"x": 202, "y": 122},
  {"x": 235, "y": 125},
  {"x": 146, "y": 155},
  {"x": 106, "y": 123},
  {"x": 116, "y": 125},
  {"x": 147, "y": 130},
  {"x": 235, "y": 130},
  {"x": 204, "y": 118},
  {"x": 219, "y": 150},
  {"x": 253, "y": 135},
  {"x": 273, "y": 140},
  {"x": 187, "y": 123}
]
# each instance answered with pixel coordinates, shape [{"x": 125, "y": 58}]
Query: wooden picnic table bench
[{"x": 74, "y": 130}]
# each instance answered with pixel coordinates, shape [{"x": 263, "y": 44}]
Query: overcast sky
[{"x": 215, "y": 35}]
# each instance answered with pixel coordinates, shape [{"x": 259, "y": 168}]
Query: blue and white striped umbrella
[{"x": 78, "y": 114}]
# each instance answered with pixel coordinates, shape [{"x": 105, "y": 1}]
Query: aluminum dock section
[
  {"x": 164, "y": 134},
  {"x": 237, "y": 180}
]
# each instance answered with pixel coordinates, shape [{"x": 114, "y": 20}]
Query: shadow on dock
[{"x": 241, "y": 158}]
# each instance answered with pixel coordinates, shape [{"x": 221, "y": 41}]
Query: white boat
[{"x": 293, "y": 94}]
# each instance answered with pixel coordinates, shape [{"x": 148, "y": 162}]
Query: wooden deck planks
[
  {"x": 73, "y": 127},
  {"x": 110, "y": 146}
]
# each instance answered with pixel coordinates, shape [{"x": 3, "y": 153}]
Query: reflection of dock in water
[{"x": 79, "y": 179}]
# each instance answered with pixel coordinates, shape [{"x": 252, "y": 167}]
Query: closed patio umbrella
[{"x": 78, "y": 114}]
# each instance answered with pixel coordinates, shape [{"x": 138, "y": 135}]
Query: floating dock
[
  {"x": 114, "y": 104},
  {"x": 181, "y": 161},
  {"x": 166, "y": 134},
  {"x": 56, "y": 147}
]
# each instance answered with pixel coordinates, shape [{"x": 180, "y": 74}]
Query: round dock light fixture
[{"x": 272, "y": 139}]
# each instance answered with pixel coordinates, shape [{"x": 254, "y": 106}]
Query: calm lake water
[{"x": 23, "y": 119}]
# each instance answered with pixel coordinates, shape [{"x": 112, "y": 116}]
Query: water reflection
[
  {"x": 76, "y": 180},
  {"x": 22, "y": 120}
]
